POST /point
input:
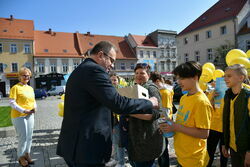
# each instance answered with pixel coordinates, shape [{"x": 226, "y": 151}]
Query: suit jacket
[{"x": 85, "y": 135}]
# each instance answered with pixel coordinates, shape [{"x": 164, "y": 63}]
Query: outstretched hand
[{"x": 155, "y": 102}]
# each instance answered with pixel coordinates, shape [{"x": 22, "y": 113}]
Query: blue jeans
[
  {"x": 119, "y": 152},
  {"x": 24, "y": 129}
]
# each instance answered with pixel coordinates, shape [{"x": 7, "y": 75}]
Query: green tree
[{"x": 220, "y": 54}]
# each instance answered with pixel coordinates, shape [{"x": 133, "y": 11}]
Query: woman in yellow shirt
[
  {"x": 23, "y": 104},
  {"x": 193, "y": 118}
]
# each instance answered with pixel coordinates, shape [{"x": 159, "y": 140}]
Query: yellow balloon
[
  {"x": 62, "y": 97},
  {"x": 217, "y": 74},
  {"x": 61, "y": 109},
  {"x": 234, "y": 53},
  {"x": 248, "y": 53},
  {"x": 210, "y": 66},
  {"x": 206, "y": 75},
  {"x": 203, "y": 85},
  {"x": 240, "y": 60},
  {"x": 61, "y": 105},
  {"x": 60, "y": 113}
]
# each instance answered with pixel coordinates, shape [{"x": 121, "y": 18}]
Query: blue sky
[{"x": 107, "y": 17}]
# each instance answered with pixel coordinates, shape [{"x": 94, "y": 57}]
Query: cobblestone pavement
[{"x": 46, "y": 132}]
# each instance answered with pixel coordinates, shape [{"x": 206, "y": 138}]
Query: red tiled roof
[
  {"x": 56, "y": 43},
  {"x": 244, "y": 30},
  {"x": 222, "y": 10},
  {"x": 143, "y": 40},
  {"x": 16, "y": 29},
  {"x": 124, "y": 51}
]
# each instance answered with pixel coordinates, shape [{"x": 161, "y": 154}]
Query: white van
[{"x": 57, "y": 90}]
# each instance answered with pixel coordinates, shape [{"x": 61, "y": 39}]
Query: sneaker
[{"x": 111, "y": 163}]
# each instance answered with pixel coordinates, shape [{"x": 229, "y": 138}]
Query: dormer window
[
  {"x": 204, "y": 18},
  {"x": 227, "y": 9},
  {"x": 21, "y": 31},
  {"x": 65, "y": 51},
  {"x": 5, "y": 30},
  {"x": 46, "y": 50}
]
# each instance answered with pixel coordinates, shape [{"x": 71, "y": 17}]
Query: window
[
  {"x": 154, "y": 54},
  {"x": 196, "y": 37},
  {"x": 27, "y": 48},
  {"x": 13, "y": 48},
  {"x": 41, "y": 67},
  {"x": 186, "y": 57},
  {"x": 14, "y": 67},
  {"x": 1, "y": 48},
  {"x": 75, "y": 65},
  {"x": 173, "y": 64},
  {"x": 173, "y": 52},
  {"x": 223, "y": 30},
  {"x": 209, "y": 34},
  {"x": 46, "y": 50},
  {"x": 162, "y": 66},
  {"x": 52, "y": 67},
  {"x": 162, "y": 53},
  {"x": 1, "y": 67},
  {"x": 209, "y": 54},
  {"x": 185, "y": 41},
  {"x": 247, "y": 45},
  {"x": 141, "y": 53},
  {"x": 65, "y": 51},
  {"x": 168, "y": 66},
  {"x": 65, "y": 67},
  {"x": 123, "y": 67},
  {"x": 148, "y": 53},
  {"x": 168, "y": 53},
  {"x": 132, "y": 66},
  {"x": 197, "y": 56}
]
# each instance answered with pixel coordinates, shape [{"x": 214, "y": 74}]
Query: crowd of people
[{"x": 98, "y": 122}]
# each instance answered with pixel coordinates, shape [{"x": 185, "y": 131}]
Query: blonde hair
[
  {"x": 240, "y": 69},
  {"x": 23, "y": 70}
]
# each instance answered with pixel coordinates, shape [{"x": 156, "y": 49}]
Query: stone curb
[{"x": 7, "y": 132}]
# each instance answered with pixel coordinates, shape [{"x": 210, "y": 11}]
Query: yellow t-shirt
[
  {"x": 24, "y": 96},
  {"x": 194, "y": 111},
  {"x": 167, "y": 100},
  {"x": 232, "y": 142},
  {"x": 217, "y": 114}
]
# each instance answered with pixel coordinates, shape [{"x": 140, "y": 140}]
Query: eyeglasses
[
  {"x": 112, "y": 60},
  {"x": 26, "y": 76}
]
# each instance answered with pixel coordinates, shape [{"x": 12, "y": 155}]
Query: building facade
[
  {"x": 16, "y": 50},
  {"x": 217, "y": 27}
]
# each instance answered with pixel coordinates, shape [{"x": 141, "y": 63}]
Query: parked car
[
  {"x": 57, "y": 90},
  {"x": 177, "y": 92},
  {"x": 40, "y": 93}
]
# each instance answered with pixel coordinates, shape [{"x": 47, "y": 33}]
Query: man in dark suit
[{"x": 85, "y": 138}]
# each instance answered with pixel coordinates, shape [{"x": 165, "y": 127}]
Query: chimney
[
  {"x": 11, "y": 17},
  {"x": 88, "y": 33}
]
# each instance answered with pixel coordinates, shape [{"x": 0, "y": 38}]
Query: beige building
[
  {"x": 217, "y": 27},
  {"x": 16, "y": 50}
]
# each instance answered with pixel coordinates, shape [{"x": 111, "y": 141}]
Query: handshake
[{"x": 154, "y": 102}]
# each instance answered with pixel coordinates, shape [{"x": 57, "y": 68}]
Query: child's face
[
  {"x": 186, "y": 84},
  {"x": 232, "y": 78},
  {"x": 159, "y": 83},
  {"x": 114, "y": 80}
]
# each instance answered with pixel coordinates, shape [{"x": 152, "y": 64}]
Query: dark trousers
[
  {"x": 73, "y": 164},
  {"x": 212, "y": 142},
  {"x": 163, "y": 160},
  {"x": 237, "y": 158},
  {"x": 144, "y": 164}
]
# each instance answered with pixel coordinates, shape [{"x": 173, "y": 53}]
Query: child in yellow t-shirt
[
  {"x": 236, "y": 117},
  {"x": 215, "y": 134},
  {"x": 193, "y": 118}
]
